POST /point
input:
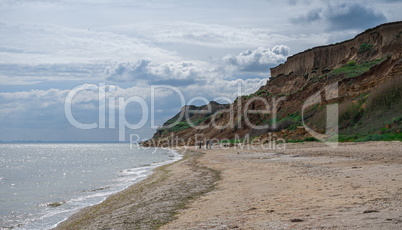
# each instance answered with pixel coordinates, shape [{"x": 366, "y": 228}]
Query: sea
[{"x": 41, "y": 185}]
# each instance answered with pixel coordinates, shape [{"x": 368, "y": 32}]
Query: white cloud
[
  {"x": 259, "y": 60},
  {"x": 25, "y": 43},
  {"x": 127, "y": 71},
  {"x": 207, "y": 35},
  {"x": 182, "y": 73}
]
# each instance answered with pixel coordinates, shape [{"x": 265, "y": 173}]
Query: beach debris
[
  {"x": 296, "y": 220},
  {"x": 55, "y": 204},
  {"x": 396, "y": 221},
  {"x": 371, "y": 211}
]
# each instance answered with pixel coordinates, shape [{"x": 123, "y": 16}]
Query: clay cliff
[
  {"x": 366, "y": 70},
  {"x": 379, "y": 42}
]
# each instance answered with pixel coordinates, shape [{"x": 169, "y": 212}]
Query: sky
[{"x": 128, "y": 66}]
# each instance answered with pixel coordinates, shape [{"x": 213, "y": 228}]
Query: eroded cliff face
[
  {"x": 356, "y": 66},
  {"x": 383, "y": 41}
]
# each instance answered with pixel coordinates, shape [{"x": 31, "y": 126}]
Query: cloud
[
  {"x": 311, "y": 16},
  {"x": 20, "y": 74},
  {"x": 296, "y": 2},
  {"x": 71, "y": 3},
  {"x": 44, "y": 109},
  {"x": 344, "y": 16},
  {"x": 204, "y": 34},
  {"x": 35, "y": 44},
  {"x": 392, "y": 1},
  {"x": 125, "y": 71},
  {"x": 186, "y": 73},
  {"x": 181, "y": 73},
  {"x": 354, "y": 16},
  {"x": 258, "y": 60}
]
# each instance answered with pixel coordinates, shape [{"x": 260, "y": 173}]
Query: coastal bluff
[{"x": 365, "y": 69}]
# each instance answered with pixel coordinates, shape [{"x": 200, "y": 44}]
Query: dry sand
[{"x": 306, "y": 186}]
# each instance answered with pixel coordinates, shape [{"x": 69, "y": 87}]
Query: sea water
[{"x": 42, "y": 184}]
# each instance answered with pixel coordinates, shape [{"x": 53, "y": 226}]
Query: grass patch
[
  {"x": 231, "y": 141},
  {"x": 262, "y": 93},
  {"x": 184, "y": 125},
  {"x": 244, "y": 97},
  {"x": 381, "y": 137},
  {"x": 351, "y": 69},
  {"x": 294, "y": 141},
  {"x": 291, "y": 122},
  {"x": 371, "y": 137},
  {"x": 180, "y": 126}
]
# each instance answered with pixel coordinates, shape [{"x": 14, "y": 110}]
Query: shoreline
[
  {"x": 176, "y": 156},
  {"x": 151, "y": 202},
  {"x": 307, "y": 186}
]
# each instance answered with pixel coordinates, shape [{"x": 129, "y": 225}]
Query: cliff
[
  {"x": 362, "y": 68},
  {"x": 383, "y": 38},
  {"x": 379, "y": 42},
  {"x": 189, "y": 115}
]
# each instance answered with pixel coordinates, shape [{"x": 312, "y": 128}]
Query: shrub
[
  {"x": 351, "y": 63},
  {"x": 349, "y": 113},
  {"x": 365, "y": 47},
  {"x": 397, "y": 120},
  {"x": 385, "y": 95},
  {"x": 310, "y": 139}
]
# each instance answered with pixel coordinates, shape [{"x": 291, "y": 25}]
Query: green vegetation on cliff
[{"x": 351, "y": 69}]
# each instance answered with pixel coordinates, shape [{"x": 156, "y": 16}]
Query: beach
[{"x": 305, "y": 186}]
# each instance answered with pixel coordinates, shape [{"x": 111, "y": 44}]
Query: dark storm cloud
[
  {"x": 311, "y": 16},
  {"x": 354, "y": 17},
  {"x": 342, "y": 17},
  {"x": 392, "y": 1}
]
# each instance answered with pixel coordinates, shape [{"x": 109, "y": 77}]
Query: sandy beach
[{"x": 306, "y": 186}]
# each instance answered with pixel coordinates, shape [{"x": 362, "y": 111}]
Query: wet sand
[
  {"x": 306, "y": 186},
  {"x": 153, "y": 201}
]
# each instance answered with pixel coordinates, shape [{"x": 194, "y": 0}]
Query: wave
[{"x": 58, "y": 211}]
